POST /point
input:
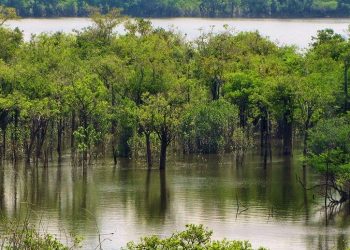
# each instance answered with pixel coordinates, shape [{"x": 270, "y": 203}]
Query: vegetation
[
  {"x": 23, "y": 235},
  {"x": 149, "y": 91},
  {"x": 205, "y": 8},
  {"x": 330, "y": 155},
  {"x": 194, "y": 237}
]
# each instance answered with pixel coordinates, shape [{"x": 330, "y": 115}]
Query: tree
[
  {"x": 208, "y": 127},
  {"x": 88, "y": 97},
  {"x": 316, "y": 92},
  {"x": 6, "y": 14},
  {"x": 165, "y": 118},
  {"x": 329, "y": 153}
]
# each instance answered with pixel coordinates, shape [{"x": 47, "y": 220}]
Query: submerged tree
[{"x": 329, "y": 145}]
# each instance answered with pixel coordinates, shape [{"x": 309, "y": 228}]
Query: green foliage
[
  {"x": 7, "y": 13},
  {"x": 170, "y": 8},
  {"x": 330, "y": 152},
  {"x": 10, "y": 40},
  {"x": 103, "y": 89},
  {"x": 194, "y": 237},
  {"x": 207, "y": 128},
  {"x": 22, "y": 235},
  {"x": 86, "y": 137},
  {"x": 329, "y": 144}
]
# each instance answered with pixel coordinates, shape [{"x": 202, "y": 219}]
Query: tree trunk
[
  {"x": 41, "y": 136},
  {"x": 265, "y": 137},
  {"x": 346, "y": 69},
  {"x": 215, "y": 88},
  {"x": 287, "y": 134},
  {"x": 15, "y": 137},
  {"x": 73, "y": 127},
  {"x": 114, "y": 129},
  {"x": 86, "y": 138},
  {"x": 306, "y": 136},
  {"x": 59, "y": 139},
  {"x": 163, "y": 150},
  {"x": 242, "y": 117},
  {"x": 149, "y": 150},
  {"x": 3, "y": 152}
]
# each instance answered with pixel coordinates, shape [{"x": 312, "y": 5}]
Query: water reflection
[{"x": 248, "y": 201}]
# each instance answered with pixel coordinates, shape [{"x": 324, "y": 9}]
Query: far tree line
[{"x": 180, "y": 8}]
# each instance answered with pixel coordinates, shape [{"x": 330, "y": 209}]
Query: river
[
  {"x": 285, "y": 31},
  {"x": 125, "y": 202}
]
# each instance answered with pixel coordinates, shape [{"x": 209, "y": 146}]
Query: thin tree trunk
[
  {"x": 346, "y": 69},
  {"x": 149, "y": 150},
  {"x": 73, "y": 127},
  {"x": 15, "y": 137},
  {"x": 3, "y": 153},
  {"x": 59, "y": 139},
  {"x": 163, "y": 150},
  {"x": 287, "y": 135}
]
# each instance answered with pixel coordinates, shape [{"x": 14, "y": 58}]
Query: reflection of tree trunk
[
  {"x": 148, "y": 183},
  {"x": 163, "y": 191},
  {"x": 15, "y": 182},
  {"x": 84, "y": 190},
  {"x": 306, "y": 201},
  {"x": 58, "y": 186},
  {"x": 2, "y": 189},
  {"x": 149, "y": 150}
]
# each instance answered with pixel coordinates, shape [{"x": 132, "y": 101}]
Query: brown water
[
  {"x": 129, "y": 202},
  {"x": 285, "y": 31}
]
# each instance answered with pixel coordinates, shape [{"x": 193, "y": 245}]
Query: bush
[
  {"x": 22, "y": 235},
  {"x": 193, "y": 238}
]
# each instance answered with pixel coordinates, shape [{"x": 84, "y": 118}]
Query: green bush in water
[{"x": 193, "y": 238}]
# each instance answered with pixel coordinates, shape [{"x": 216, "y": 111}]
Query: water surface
[
  {"x": 285, "y": 31},
  {"x": 126, "y": 202}
]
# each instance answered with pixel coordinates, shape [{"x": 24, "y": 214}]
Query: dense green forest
[
  {"x": 178, "y": 8},
  {"x": 150, "y": 92}
]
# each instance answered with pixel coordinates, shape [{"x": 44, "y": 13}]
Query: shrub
[{"x": 193, "y": 238}]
